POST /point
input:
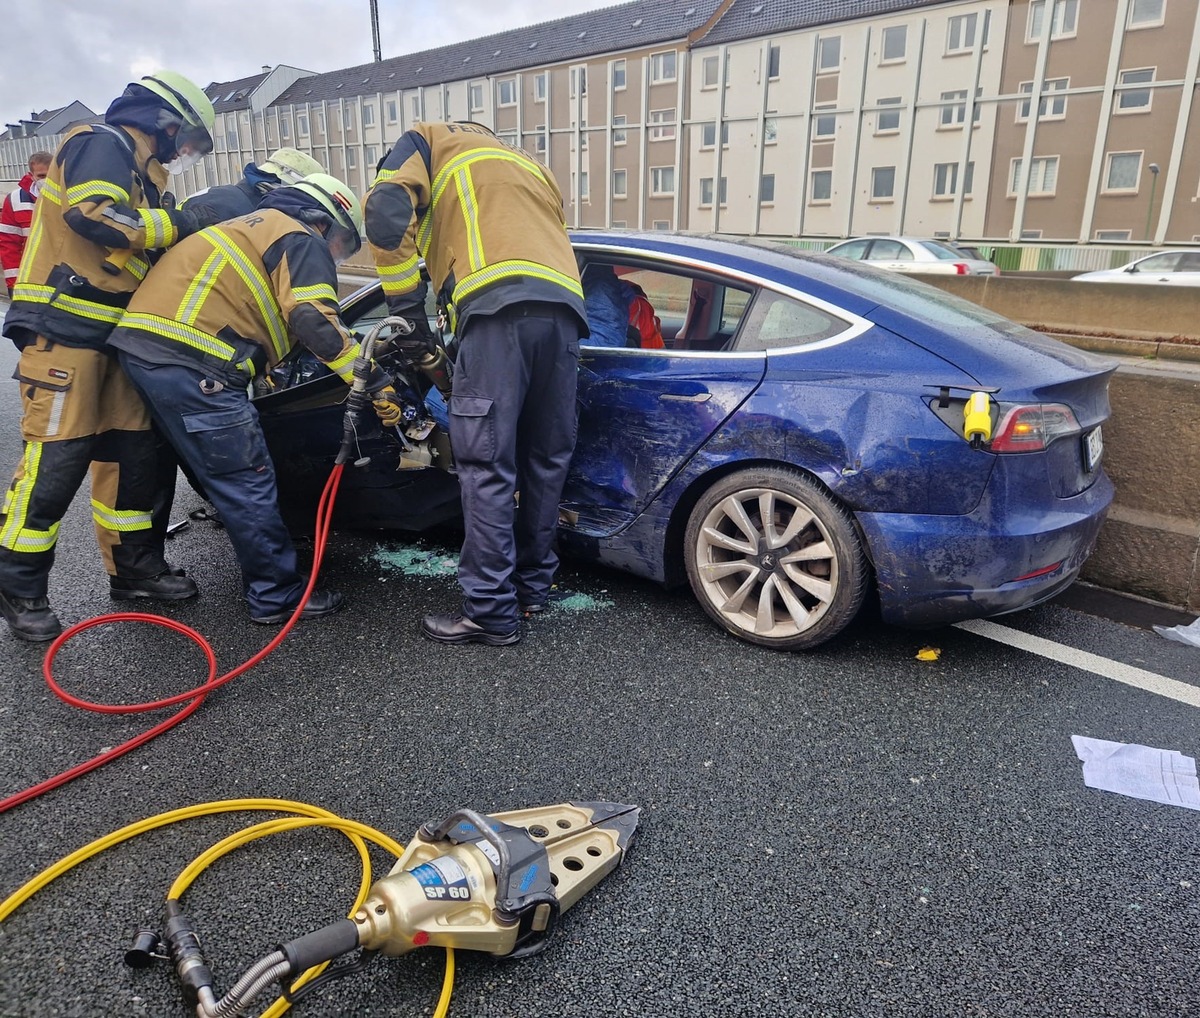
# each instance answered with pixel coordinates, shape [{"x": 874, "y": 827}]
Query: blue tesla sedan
[{"x": 810, "y": 430}]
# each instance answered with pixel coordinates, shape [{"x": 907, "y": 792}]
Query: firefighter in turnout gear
[
  {"x": 488, "y": 219},
  {"x": 98, "y": 214},
  {"x": 228, "y": 201},
  {"x": 220, "y": 309}
]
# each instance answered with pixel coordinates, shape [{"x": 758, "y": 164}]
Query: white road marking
[{"x": 1115, "y": 670}]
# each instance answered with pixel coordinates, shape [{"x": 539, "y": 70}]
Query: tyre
[{"x": 774, "y": 559}]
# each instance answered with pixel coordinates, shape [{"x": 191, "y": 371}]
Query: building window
[
  {"x": 302, "y": 124},
  {"x": 961, "y": 32},
  {"x": 583, "y": 186},
  {"x": 1121, "y": 174},
  {"x": 710, "y": 72},
  {"x": 618, "y": 135},
  {"x": 773, "y": 63},
  {"x": 391, "y": 111},
  {"x": 321, "y": 123},
  {"x": 351, "y": 159},
  {"x": 348, "y": 118},
  {"x": 662, "y": 180},
  {"x": 508, "y": 137},
  {"x": 285, "y": 129},
  {"x": 1043, "y": 176},
  {"x": 888, "y": 121},
  {"x": 895, "y": 44},
  {"x": 662, "y": 124},
  {"x": 770, "y": 132},
  {"x": 1112, "y": 236},
  {"x": 618, "y": 75},
  {"x": 708, "y": 134},
  {"x": 539, "y": 87},
  {"x": 766, "y": 189},
  {"x": 618, "y": 224},
  {"x": 368, "y": 115},
  {"x": 822, "y": 186},
  {"x": 620, "y": 183},
  {"x": 1146, "y": 13},
  {"x": 945, "y": 179},
  {"x": 662, "y": 66},
  {"x": 507, "y": 92},
  {"x": 883, "y": 182},
  {"x": 662, "y": 224},
  {"x": 1135, "y": 100},
  {"x": 824, "y": 125},
  {"x": 578, "y": 81},
  {"x": 1066, "y": 14},
  {"x": 371, "y": 155},
  {"x": 416, "y": 107},
  {"x": 539, "y": 144},
  {"x": 475, "y": 96},
  {"x": 583, "y": 136},
  {"x": 706, "y": 192},
  {"x": 829, "y": 53},
  {"x": 1050, "y": 107},
  {"x": 231, "y": 136},
  {"x": 954, "y": 113},
  {"x": 267, "y": 133}
]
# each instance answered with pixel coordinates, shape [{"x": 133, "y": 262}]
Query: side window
[
  {"x": 855, "y": 249},
  {"x": 777, "y": 322},
  {"x": 1159, "y": 263},
  {"x": 889, "y": 251}
]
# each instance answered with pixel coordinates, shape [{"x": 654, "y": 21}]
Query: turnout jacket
[
  {"x": 15, "y": 217},
  {"x": 487, "y": 218},
  {"x": 231, "y": 298},
  {"x": 102, "y": 194}
]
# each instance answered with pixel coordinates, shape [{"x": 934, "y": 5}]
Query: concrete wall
[{"x": 1150, "y": 545}]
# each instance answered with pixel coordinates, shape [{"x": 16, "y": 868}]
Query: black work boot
[
  {"x": 168, "y": 586},
  {"x": 30, "y": 618}
]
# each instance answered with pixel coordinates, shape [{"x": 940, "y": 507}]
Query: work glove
[
  {"x": 186, "y": 223},
  {"x": 387, "y": 406}
]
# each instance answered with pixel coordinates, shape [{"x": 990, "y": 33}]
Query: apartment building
[{"x": 992, "y": 120}]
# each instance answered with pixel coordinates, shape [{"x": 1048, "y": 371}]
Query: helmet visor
[
  {"x": 343, "y": 242},
  {"x": 193, "y": 140}
]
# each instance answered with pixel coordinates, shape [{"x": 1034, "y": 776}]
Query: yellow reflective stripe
[
  {"x": 470, "y": 213},
  {"x": 179, "y": 333},
  {"x": 137, "y": 267},
  {"x": 121, "y": 520},
  {"x": 344, "y": 364},
  {"x": 36, "y": 292},
  {"x": 96, "y": 189},
  {"x": 160, "y": 231},
  {"x": 475, "y": 155},
  {"x": 14, "y": 535},
  {"x": 318, "y": 291},
  {"x": 425, "y": 229},
  {"x": 514, "y": 269},
  {"x": 36, "y": 233},
  {"x": 264, "y": 297},
  {"x": 409, "y": 267},
  {"x": 39, "y": 294},
  {"x": 51, "y": 190},
  {"x": 200, "y": 287}
]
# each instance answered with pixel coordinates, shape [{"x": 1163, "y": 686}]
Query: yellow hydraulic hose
[{"x": 305, "y": 816}]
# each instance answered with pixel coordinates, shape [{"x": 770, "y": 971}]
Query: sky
[{"x": 56, "y": 51}]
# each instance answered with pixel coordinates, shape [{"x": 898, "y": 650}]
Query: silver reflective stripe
[{"x": 56, "y": 412}]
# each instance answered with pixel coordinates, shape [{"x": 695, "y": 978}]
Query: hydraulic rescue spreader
[{"x": 495, "y": 883}]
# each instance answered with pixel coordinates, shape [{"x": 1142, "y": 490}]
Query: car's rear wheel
[{"x": 774, "y": 559}]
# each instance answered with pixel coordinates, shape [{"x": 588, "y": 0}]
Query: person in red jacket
[{"x": 17, "y": 214}]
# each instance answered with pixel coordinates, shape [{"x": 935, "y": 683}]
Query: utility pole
[{"x": 375, "y": 30}]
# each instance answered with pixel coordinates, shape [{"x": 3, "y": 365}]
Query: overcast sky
[{"x": 56, "y": 51}]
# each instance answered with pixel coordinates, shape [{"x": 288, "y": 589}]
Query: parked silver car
[
  {"x": 1166, "y": 268},
  {"x": 913, "y": 254}
]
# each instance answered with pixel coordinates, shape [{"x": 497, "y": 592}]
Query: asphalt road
[{"x": 846, "y": 832}]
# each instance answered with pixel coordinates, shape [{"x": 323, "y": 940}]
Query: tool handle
[{"x": 115, "y": 263}]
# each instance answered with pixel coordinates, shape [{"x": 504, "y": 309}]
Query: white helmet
[{"x": 290, "y": 165}]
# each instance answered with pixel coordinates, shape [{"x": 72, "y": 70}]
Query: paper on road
[
  {"x": 1181, "y": 634},
  {"x": 1160, "y": 775}
]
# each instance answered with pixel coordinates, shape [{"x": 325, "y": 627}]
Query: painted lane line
[{"x": 1115, "y": 670}]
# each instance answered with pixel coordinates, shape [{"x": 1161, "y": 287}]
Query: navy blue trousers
[
  {"x": 218, "y": 437},
  {"x": 512, "y": 428}
]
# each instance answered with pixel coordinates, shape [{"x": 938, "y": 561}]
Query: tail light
[
  {"x": 1032, "y": 427},
  {"x": 962, "y": 269}
]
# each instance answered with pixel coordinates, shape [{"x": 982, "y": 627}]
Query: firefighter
[
  {"x": 98, "y": 213},
  {"x": 283, "y": 166},
  {"x": 219, "y": 310},
  {"x": 488, "y": 219}
]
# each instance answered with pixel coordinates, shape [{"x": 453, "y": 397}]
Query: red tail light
[
  {"x": 961, "y": 269},
  {"x": 1032, "y": 427}
]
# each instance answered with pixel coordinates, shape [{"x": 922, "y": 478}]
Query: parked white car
[
  {"x": 1170, "y": 268},
  {"x": 913, "y": 254}
]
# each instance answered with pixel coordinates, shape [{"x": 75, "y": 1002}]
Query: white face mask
[
  {"x": 36, "y": 187},
  {"x": 183, "y": 161}
]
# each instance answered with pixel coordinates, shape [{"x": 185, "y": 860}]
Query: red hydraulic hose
[{"x": 197, "y": 695}]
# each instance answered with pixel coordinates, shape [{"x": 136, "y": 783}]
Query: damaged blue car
[{"x": 810, "y": 431}]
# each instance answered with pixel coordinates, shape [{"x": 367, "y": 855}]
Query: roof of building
[
  {"x": 633, "y": 25},
  {"x": 234, "y": 95},
  {"x": 748, "y": 19}
]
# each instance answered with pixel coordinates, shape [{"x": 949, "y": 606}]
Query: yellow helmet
[
  {"x": 290, "y": 165},
  {"x": 194, "y": 110},
  {"x": 344, "y": 236}
]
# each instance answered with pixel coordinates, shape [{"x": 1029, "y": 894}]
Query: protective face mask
[
  {"x": 183, "y": 161},
  {"x": 36, "y": 187}
]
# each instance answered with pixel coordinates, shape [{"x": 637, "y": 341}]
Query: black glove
[{"x": 186, "y": 223}]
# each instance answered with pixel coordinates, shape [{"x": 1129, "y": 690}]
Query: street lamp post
[{"x": 1153, "y": 168}]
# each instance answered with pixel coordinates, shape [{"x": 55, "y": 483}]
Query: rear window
[{"x": 943, "y": 252}]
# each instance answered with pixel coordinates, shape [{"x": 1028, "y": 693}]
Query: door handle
[{"x": 695, "y": 397}]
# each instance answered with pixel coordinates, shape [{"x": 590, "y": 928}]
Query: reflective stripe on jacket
[
  {"x": 235, "y": 296},
  {"x": 487, "y": 217}
]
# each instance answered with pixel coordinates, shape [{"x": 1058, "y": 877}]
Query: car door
[
  {"x": 642, "y": 414},
  {"x": 1159, "y": 269},
  {"x": 892, "y": 254}
]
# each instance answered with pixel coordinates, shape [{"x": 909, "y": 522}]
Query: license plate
[{"x": 1093, "y": 448}]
